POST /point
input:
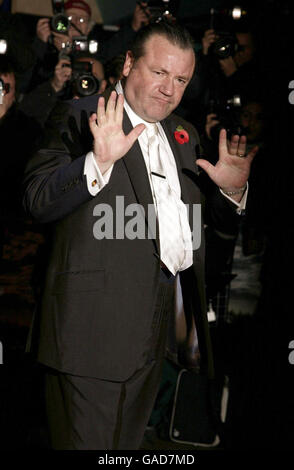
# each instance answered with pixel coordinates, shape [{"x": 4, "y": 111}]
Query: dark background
[{"x": 258, "y": 348}]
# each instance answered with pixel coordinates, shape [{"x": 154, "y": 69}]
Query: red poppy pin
[{"x": 181, "y": 135}]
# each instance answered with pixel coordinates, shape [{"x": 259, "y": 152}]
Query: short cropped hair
[{"x": 174, "y": 33}]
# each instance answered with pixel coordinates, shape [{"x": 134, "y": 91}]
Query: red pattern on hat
[{"x": 78, "y": 4}]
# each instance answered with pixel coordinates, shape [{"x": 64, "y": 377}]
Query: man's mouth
[{"x": 162, "y": 100}]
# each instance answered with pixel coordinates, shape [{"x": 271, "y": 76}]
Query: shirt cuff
[
  {"x": 241, "y": 205},
  {"x": 95, "y": 180}
]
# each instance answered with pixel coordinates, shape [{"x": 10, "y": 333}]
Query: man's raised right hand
[{"x": 110, "y": 142}]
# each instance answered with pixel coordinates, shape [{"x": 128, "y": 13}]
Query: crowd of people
[{"x": 41, "y": 75}]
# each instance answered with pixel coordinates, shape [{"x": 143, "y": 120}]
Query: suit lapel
[
  {"x": 185, "y": 164},
  {"x": 182, "y": 156}
]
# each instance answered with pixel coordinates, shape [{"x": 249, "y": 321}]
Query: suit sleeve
[{"x": 54, "y": 180}]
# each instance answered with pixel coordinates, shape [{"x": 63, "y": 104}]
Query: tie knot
[{"x": 152, "y": 130}]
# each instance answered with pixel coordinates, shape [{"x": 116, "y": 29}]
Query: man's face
[
  {"x": 246, "y": 53},
  {"x": 253, "y": 120},
  {"x": 80, "y": 19},
  {"x": 156, "y": 81},
  {"x": 8, "y": 98}
]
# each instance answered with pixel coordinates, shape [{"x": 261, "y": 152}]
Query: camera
[
  {"x": 80, "y": 44},
  {"x": 82, "y": 82},
  {"x": 228, "y": 115},
  {"x": 224, "y": 22},
  {"x": 226, "y": 45},
  {"x": 59, "y": 22},
  {"x": 158, "y": 9}
]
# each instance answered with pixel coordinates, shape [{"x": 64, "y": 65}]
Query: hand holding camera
[
  {"x": 228, "y": 66},
  {"x": 43, "y": 30},
  {"x": 208, "y": 39},
  {"x": 141, "y": 16},
  {"x": 62, "y": 74}
]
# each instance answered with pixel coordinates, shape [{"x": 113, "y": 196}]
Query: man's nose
[{"x": 167, "y": 86}]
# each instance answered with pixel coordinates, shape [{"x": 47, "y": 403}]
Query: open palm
[
  {"x": 110, "y": 142},
  {"x": 232, "y": 169}
]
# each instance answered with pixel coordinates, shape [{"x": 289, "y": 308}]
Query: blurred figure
[
  {"x": 121, "y": 41},
  {"x": 114, "y": 69},
  {"x": 19, "y": 49},
  {"x": 240, "y": 258},
  {"x": 19, "y": 136},
  {"x": 243, "y": 55},
  {"x": 253, "y": 122},
  {"x": 50, "y": 45},
  {"x": 79, "y": 15},
  {"x": 230, "y": 71},
  {"x": 66, "y": 83}
]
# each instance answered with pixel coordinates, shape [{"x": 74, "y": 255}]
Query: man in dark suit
[{"x": 108, "y": 293}]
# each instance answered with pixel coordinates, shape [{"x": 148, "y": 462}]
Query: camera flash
[
  {"x": 3, "y": 46},
  {"x": 237, "y": 13},
  {"x": 93, "y": 46}
]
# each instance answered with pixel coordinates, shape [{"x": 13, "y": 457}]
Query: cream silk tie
[{"x": 172, "y": 248}]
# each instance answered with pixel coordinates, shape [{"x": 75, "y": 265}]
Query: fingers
[
  {"x": 206, "y": 166},
  {"x": 134, "y": 134},
  {"x": 111, "y": 106},
  {"x": 114, "y": 109},
  {"x": 119, "y": 109},
  {"x": 43, "y": 29},
  {"x": 241, "y": 149},
  {"x": 236, "y": 146},
  {"x": 93, "y": 123},
  {"x": 101, "y": 111},
  {"x": 223, "y": 147}
]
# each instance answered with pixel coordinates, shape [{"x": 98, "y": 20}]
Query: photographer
[
  {"x": 231, "y": 64},
  {"x": 49, "y": 43},
  {"x": 120, "y": 42},
  {"x": 19, "y": 135},
  {"x": 13, "y": 30},
  {"x": 70, "y": 75},
  {"x": 240, "y": 258}
]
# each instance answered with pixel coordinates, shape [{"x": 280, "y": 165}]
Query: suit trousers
[{"x": 87, "y": 413}]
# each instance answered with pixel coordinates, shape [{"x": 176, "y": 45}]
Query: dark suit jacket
[{"x": 99, "y": 297}]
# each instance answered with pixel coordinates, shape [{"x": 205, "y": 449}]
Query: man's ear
[{"x": 129, "y": 61}]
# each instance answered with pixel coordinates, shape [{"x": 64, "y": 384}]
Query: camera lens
[
  {"x": 225, "y": 46},
  {"x": 222, "y": 48},
  {"x": 60, "y": 23},
  {"x": 86, "y": 85}
]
